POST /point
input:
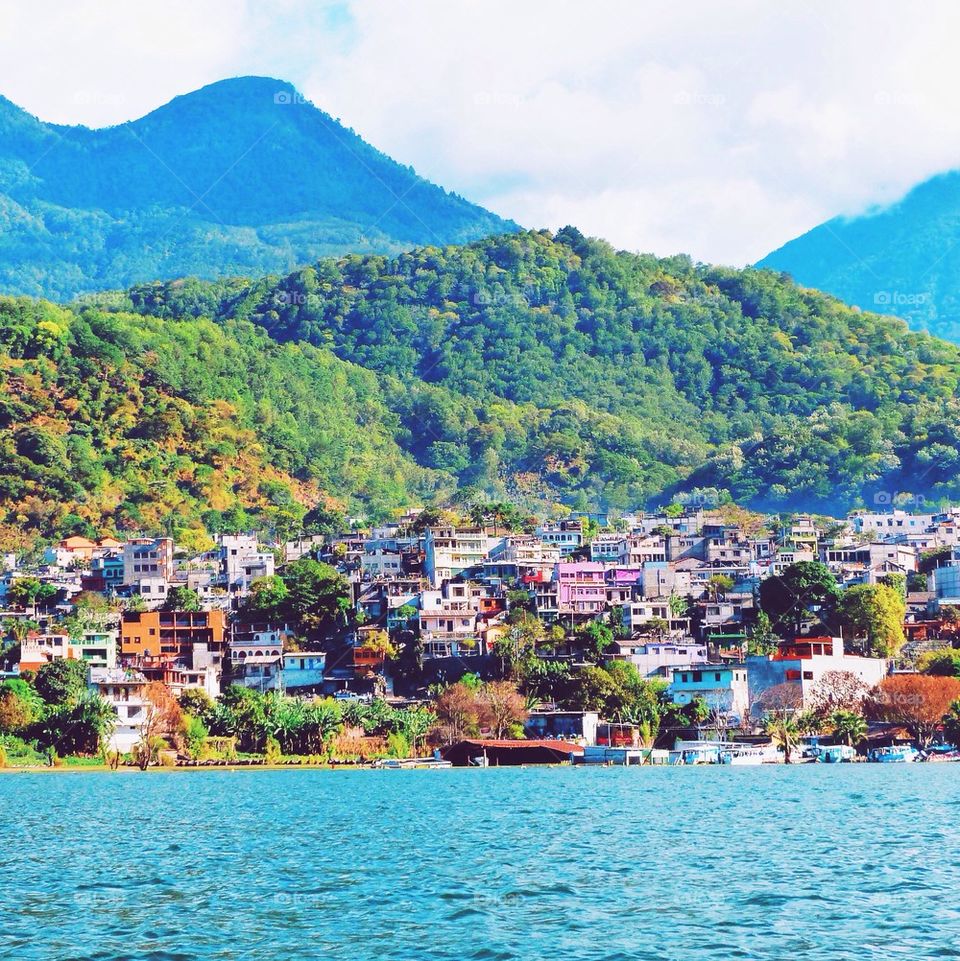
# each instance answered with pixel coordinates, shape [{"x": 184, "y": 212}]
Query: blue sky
[{"x": 721, "y": 130}]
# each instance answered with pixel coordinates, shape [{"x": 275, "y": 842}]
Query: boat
[
  {"x": 897, "y": 754},
  {"x": 394, "y": 764},
  {"x": 742, "y": 755},
  {"x": 833, "y": 753}
]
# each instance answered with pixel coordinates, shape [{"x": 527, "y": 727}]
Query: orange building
[
  {"x": 172, "y": 634},
  {"x": 86, "y": 548}
]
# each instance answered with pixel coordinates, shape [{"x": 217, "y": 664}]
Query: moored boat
[
  {"x": 742, "y": 755},
  {"x": 897, "y": 754}
]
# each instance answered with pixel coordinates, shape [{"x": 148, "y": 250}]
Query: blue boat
[
  {"x": 898, "y": 754},
  {"x": 833, "y": 753}
]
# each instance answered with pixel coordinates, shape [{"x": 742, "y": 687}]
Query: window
[
  {"x": 698, "y": 675},
  {"x": 716, "y": 677},
  {"x": 808, "y": 675}
]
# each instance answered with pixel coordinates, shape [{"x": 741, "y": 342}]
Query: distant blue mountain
[
  {"x": 241, "y": 177},
  {"x": 903, "y": 259}
]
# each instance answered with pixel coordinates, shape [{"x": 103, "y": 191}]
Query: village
[{"x": 683, "y": 636}]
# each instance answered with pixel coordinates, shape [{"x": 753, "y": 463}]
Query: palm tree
[
  {"x": 415, "y": 723},
  {"x": 783, "y": 731},
  {"x": 848, "y": 727},
  {"x": 285, "y": 718},
  {"x": 809, "y": 722}
]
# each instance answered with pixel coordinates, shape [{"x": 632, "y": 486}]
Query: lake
[{"x": 813, "y": 861}]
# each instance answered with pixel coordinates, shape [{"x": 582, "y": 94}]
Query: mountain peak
[
  {"x": 243, "y": 176},
  {"x": 901, "y": 259}
]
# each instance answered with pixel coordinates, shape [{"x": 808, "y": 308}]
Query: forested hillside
[
  {"x": 119, "y": 423},
  {"x": 559, "y": 367},
  {"x": 536, "y": 368}
]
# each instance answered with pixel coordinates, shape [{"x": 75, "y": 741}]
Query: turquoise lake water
[{"x": 845, "y": 861}]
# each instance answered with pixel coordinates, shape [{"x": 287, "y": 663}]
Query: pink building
[{"x": 581, "y": 588}]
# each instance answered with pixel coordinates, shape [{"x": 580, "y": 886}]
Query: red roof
[{"x": 568, "y": 747}]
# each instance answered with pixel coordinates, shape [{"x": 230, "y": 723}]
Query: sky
[{"x": 721, "y": 130}]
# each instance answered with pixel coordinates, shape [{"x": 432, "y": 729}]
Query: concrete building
[
  {"x": 451, "y": 551},
  {"x": 39, "y": 649},
  {"x": 581, "y": 589},
  {"x": 804, "y": 662},
  {"x": 656, "y": 658},
  {"x": 567, "y": 536},
  {"x": 380, "y": 563},
  {"x": 173, "y": 634},
  {"x": 723, "y": 687},
  {"x": 147, "y": 558},
  {"x": 241, "y": 562},
  {"x": 638, "y": 615},
  {"x": 97, "y": 648},
  {"x": 124, "y": 691},
  {"x": 579, "y": 726},
  {"x": 892, "y": 521},
  {"x": 303, "y": 669}
]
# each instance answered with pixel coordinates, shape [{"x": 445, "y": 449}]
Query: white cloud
[{"x": 718, "y": 129}]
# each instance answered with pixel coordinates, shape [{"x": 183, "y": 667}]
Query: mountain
[
  {"x": 549, "y": 368},
  {"x": 903, "y": 259},
  {"x": 241, "y": 177}
]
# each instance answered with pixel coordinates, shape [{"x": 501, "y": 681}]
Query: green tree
[
  {"x": 848, "y": 727},
  {"x": 61, "y": 682},
  {"x": 24, "y": 591},
  {"x": 197, "y": 703},
  {"x": 782, "y": 731},
  {"x": 596, "y": 639},
  {"x": 589, "y": 688},
  {"x": 182, "y": 598},
  {"x": 944, "y": 661},
  {"x": 951, "y": 724},
  {"x": 719, "y": 584},
  {"x": 20, "y": 706},
  {"x": 268, "y": 596},
  {"x": 679, "y": 605},
  {"x": 318, "y": 596},
  {"x": 789, "y": 598},
  {"x": 135, "y": 604},
  {"x": 762, "y": 640},
  {"x": 877, "y": 612},
  {"x": 195, "y": 734}
]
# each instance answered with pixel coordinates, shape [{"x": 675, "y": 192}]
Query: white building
[
  {"x": 303, "y": 669},
  {"x": 654, "y": 658},
  {"x": 242, "y": 562},
  {"x": 723, "y": 687},
  {"x": 449, "y": 551},
  {"x": 381, "y": 563},
  {"x": 123, "y": 690},
  {"x": 147, "y": 558},
  {"x": 805, "y": 661}
]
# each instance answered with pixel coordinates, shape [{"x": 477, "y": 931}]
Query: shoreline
[{"x": 233, "y": 768}]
